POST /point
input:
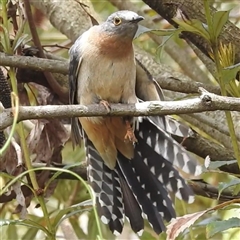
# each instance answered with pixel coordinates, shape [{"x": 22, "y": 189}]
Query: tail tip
[
  {"x": 116, "y": 233},
  {"x": 139, "y": 233}
]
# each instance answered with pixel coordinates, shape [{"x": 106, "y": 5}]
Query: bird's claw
[
  {"x": 105, "y": 104},
  {"x": 130, "y": 136}
]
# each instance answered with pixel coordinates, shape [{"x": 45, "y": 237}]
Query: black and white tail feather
[{"x": 139, "y": 188}]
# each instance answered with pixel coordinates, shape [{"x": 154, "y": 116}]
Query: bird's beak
[{"x": 137, "y": 19}]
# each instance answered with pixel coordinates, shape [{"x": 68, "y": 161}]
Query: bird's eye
[{"x": 117, "y": 21}]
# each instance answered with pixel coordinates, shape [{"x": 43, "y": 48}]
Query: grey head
[{"x": 122, "y": 23}]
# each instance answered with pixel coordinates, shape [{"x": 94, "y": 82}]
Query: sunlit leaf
[
  {"x": 159, "y": 32},
  {"x": 4, "y": 38},
  {"x": 80, "y": 207},
  {"x": 206, "y": 221},
  {"x": 230, "y": 73},
  {"x": 236, "y": 189},
  {"x": 232, "y": 206},
  {"x": 219, "y": 226},
  {"x": 27, "y": 223},
  {"x": 194, "y": 26},
  {"x": 73, "y": 213},
  {"x": 11, "y": 232},
  {"x": 164, "y": 32},
  {"x": 223, "y": 186},
  {"x": 226, "y": 54},
  {"x": 217, "y": 164},
  {"x": 22, "y": 40},
  {"x": 160, "y": 47},
  {"x": 219, "y": 19},
  {"x": 147, "y": 235}
]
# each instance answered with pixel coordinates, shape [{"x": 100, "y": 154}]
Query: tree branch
[
  {"x": 206, "y": 102},
  {"x": 188, "y": 65},
  {"x": 76, "y": 15},
  {"x": 75, "y": 23},
  {"x": 35, "y": 38},
  {"x": 167, "y": 81},
  {"x": 38, "y": 64},
  {"x": 195, "y": 10}
]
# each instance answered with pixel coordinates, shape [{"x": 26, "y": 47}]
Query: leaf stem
[
  {"x": 8, "y": 49},
  {"x": 214, "y": 43}
]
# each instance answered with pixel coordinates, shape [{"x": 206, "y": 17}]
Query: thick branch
[
  {"x": 71, "y": 17},
  {"x": 38, "y": 64},
  {"x": 206, "y": 102},
  {"x": 167, "y": 81}
]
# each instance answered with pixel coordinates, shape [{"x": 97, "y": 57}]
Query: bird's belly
[
  {"x": 110, "y": 92},
  {"x": 111, "y": 81}
]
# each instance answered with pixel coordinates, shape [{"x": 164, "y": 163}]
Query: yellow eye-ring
[{"x": 117, "y": 21}]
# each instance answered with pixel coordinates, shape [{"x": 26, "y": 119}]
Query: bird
[{"x": 133, "y": 163}]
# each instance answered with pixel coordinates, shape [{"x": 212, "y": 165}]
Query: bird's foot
[
  {"x": 105, "y": 104},
  {"x": 130, "y": 136}
]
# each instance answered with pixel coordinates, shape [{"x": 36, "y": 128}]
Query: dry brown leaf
[
  {"x": 179, "y": 224},
  {"x": 45, "y": 142},
  {"x": 20, "y": 200}
]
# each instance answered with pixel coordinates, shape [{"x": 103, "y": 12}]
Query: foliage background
[{"x": 173, "y": 55}]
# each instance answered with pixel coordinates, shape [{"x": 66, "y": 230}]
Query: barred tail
[
  {"x": 114, "y": 197},
  {"x": 139, "y": 188}
]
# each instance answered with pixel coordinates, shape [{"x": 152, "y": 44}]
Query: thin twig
[{"x": 51, "y": 80}]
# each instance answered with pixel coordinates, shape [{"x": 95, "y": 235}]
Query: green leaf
[
  {"x": 160, "y": 47},
  {"x": 4, "y": 37},
  {"x": 236, "y": 189},
  {"x": 219, "y": 226},
  {"x": 80, "y": 207},
  {"x": 30, "y": 234},
  {"x": 21, "y": 40},
  {"x": 164, "y": 32},
  {"x": 194, "y": 26},
  {"x": 159, "y": 32},
  {"x": 27, "y": 223},
  {"x": 141, "y": 30},
  {"x": 92, "y": 227},
  {"x": 217, "y": 164},
  {"x": 70, "y": 215},
  {"x": 230, "y": 207},
  {"x": 229, "y": 73},
  {"x": 219, "y": 19},
  {"x": 12, "y": 232},
  {"x": 224, "y": 185},
  {"x": 77, "y": 229}
]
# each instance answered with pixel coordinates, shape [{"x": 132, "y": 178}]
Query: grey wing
[
  {"x": 147, "y": 89},
  {"x": 74, "y": 67}
]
